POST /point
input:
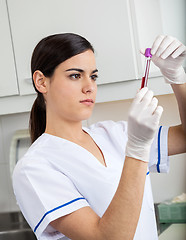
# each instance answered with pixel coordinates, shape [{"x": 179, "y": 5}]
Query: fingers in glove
[
  {"x": 166, "y": 42},
  {"x": 142, "y": 51},
  {"x": 180, "y": 50},
  {"x": 140, "y": 94},
  {"x": 157, "y": 114},
  {"x": 174, "y": 46},
  {"x": 153, "y": 105},
  {"x": 156, "y": 44},
  {"x": 147, "y": 99}
]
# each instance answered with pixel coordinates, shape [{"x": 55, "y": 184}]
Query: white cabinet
[
  {"x": 117, "y": 29},
  {"x": 8, "y": 81},
  {"x": 147, "y": 25},
  {"x": 105, "y": 23}
]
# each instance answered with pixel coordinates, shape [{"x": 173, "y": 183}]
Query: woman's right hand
[{"x": 143, "y": 122}]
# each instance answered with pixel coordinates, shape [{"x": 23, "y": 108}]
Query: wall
[
  {"x": 165, "y": 186},
  {"x": 8, "y": 125},
  {"x": 174, "y": 18}
]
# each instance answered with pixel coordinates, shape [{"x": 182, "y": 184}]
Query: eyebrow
[{"x": 79, "y": 70}]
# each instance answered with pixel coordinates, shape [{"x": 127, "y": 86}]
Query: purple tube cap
[{"x": 148, "y": 53}]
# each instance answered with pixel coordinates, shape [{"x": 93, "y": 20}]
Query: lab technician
[{"x": 93, "y": 182}]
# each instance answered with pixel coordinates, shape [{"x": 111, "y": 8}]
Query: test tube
[{"x": 148, "y": 57}]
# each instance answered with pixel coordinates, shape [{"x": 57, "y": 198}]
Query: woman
[{"x": 93, "y": 183}]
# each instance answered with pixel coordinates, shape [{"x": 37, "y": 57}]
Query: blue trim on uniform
[
  {"x": 74, "y": 200},
  {"x": 159, "y": 150},
  {"x": 148, "y": 173}
]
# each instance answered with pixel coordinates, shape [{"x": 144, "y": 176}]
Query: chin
[{"x": 86, "y": 116}]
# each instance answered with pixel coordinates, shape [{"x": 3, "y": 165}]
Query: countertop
[{"x": 176, "y": 231}]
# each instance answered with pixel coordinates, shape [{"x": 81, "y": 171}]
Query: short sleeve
[
  {"x": 159, "y": 160},
  {"x": 44, "y": 194}
]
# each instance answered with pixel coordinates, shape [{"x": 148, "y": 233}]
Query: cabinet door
[
  {"x": 8, "y": 80},
  {"x": 105, "y": 23},
  {"x": 147, "y": 25}
]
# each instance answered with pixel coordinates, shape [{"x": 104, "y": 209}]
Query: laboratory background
[{"x": 118, "y": 30}]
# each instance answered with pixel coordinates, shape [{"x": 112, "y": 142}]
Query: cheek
[
  {"x": 63, "y": 93},
  {"x": 95, "y": 90}
]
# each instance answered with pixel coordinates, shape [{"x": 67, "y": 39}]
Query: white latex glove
[
  {"x": 168, "y": 54},
  {"x": 143, "y": 122}
]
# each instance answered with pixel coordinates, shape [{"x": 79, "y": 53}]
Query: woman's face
[{"x": 72, "y": 89}]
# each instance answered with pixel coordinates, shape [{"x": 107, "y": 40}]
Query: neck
[{"x": 69, "y": 130}]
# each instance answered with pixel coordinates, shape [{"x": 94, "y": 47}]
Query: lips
[{"x": 87, "y": 100}]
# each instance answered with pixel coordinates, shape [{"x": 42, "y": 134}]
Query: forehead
[{"x": 82, "y": 60}]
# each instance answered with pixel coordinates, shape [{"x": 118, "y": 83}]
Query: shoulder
[
  {"x": 109, "y": 126},
  {"x": 110, "y": 130},
  {"x": 34, "y": 159}
]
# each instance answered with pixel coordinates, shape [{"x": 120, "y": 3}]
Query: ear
[{"x": 40, "y": 81}]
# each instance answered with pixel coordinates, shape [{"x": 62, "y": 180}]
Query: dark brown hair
[{"x": 47, "y": 55}]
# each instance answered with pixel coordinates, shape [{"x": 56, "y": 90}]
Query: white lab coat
[{"x": 57, "y": 177}]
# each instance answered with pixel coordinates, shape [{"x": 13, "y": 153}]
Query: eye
[
  {"x": 75, "y": 76},
  {"x": 94, "y": 77}
]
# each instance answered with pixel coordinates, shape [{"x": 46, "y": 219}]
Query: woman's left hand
[{"x": 168, "y": 54}]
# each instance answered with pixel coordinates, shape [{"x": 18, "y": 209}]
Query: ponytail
[{"x": 37, "y": 118}]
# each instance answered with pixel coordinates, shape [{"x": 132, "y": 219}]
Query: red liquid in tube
[{"x": 147, "y": 67}]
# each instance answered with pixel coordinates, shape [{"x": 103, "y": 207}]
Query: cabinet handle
[{"x": 28, "y": 80}]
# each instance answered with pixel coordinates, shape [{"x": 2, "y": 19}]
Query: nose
[{"x": 88, "y": 86}]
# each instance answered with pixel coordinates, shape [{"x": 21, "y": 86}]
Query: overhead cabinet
[
  {"x": 117, "y": 30},
  {"x": 147, "y": 25},
  {"x": 106, "y": 24},
  {"x": 8, "y": 80}
]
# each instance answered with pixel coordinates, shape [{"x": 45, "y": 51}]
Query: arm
[
  {"x": 180, "y": 93},
  {"x": 177, "y": 134},
  {"x": 176, "y": 140},
  {"x": 121, "y": 217},
  {"x": 169, "y": 54}
]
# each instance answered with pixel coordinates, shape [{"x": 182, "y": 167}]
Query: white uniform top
[{"x": 56, "y": 177}]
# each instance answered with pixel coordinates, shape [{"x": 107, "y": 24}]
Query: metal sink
[
  {"x": 13, "y": 226},
  {"x": 20, "y": 234}
]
